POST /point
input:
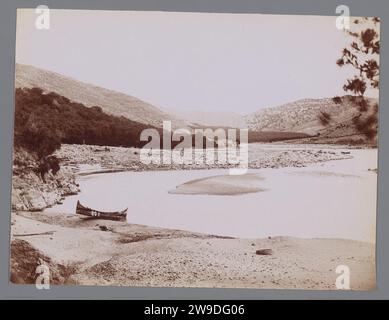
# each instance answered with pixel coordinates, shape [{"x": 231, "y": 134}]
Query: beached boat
[{"x": 115, "y": 215}]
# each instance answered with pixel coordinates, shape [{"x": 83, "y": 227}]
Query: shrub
[
  {"x": 324, "y": 118},
  {"x": 337, "y": 100},
  {"x": 44, "y": 121}
]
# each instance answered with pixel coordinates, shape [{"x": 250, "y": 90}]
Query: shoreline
[
  {"x": 119, "y": 159},
  {"x": 29, "y": 192},
  {"x": 100, "y": 252}
]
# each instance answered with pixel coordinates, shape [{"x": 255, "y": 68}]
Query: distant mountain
[
  {"x": 210, "y": 118},
  {"x": 112, "y": 102},
  {"x": 304, "y": 116}
]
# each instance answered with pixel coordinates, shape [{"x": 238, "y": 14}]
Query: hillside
[
  {"x": 112, "y": 102},
  {"x": 295, "y": 120},
  {"x": 304, "y": 116},
  {"x": 51, "y": 119},
  {"x": 210, "y": 118}
]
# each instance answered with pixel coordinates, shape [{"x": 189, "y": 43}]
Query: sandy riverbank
[
  {"x": 222, "y": 185},
  {"x": 135, "y": 255}
]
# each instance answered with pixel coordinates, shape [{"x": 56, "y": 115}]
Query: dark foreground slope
[{"x": 51, "y": 116}]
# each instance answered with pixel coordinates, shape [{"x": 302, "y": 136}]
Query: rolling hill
[
  {"x": 297, "y": 119},
  {"x": 112, "y": 102},
  {"x": 303, "y": 116}
]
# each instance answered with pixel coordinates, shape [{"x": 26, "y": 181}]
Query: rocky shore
[
  {"x": 32, "y": 192},
  {"x": 86, "y": 158}
]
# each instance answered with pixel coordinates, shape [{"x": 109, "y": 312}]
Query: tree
[{"x": 363, "y": 56}]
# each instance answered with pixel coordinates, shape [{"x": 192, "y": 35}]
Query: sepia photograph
[{"x": 194, "y": 149}]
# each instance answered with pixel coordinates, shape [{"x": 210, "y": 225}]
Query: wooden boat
[{"x": 94, "y": 214}]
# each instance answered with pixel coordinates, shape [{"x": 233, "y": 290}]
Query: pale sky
[{"x": 191, "y": 61}]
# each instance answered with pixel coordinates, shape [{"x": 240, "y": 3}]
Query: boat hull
[{"x": 95, "y": 214}]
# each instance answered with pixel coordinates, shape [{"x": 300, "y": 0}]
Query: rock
[
  {"x": 103, "y": 228},
  {"x": 17, "y": 200},
  {"x": 264, "y": 252},
  {"x": 70, "y": 190},
  {"x": 35, "y": 200},
  {"x": 51, "y": 198}
]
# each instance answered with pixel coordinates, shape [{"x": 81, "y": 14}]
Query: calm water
[{"x": 334, "y": 199}]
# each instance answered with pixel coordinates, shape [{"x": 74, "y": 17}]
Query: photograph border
[{"x": 8, "y": 290}]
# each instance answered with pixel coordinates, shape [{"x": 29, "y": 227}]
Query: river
[{"x": 334, "y": 199}]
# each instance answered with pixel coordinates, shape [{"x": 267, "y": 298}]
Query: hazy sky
[{"x": 191, "y": 61}]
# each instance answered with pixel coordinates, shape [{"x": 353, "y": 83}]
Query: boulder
[
  {"x": 17, "y": 200},
  {"x": 35, "y": 200},
  {"x": 51, "y": 198},
  {"x": 264, "y": 252}
]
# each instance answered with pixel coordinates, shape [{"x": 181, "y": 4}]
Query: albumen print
[{"x": 178, "y": 149}]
